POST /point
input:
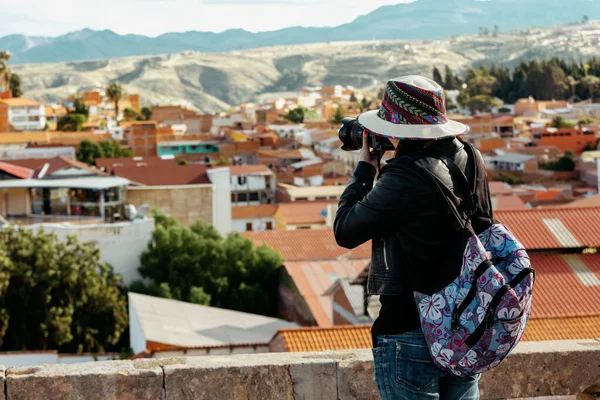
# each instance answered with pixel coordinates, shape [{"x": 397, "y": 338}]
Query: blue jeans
[{"x": 404, "y": 370}]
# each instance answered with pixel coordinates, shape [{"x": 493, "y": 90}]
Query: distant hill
[
  {"x": 420, "y": 20},
  {"x": 212, "y": 82}
]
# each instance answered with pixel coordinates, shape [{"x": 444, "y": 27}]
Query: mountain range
[
  {"x": 419, "y": 20},
  {"x": 211, "y": 82}
]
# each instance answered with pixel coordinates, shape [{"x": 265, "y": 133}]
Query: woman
[{"x": 414, "y": 242}]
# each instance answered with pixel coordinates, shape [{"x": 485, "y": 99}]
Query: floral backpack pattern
[{"x": 473, "y": 323}]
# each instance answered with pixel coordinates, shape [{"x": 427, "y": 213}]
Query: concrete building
[
  {"x": 289, "y": 193},
  {"x": 253, "y": 218},
  {"x": 22, "y": 115},
  {"x": 252, "y": 185},
  {"x": 121, "y": 244},
  {"x": 566, "y": 139},
  {"x": 512, "y": 162}
]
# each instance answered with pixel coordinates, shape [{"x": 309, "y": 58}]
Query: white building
[
  {"x": 16, "y": 152},
  {"x": 252, "y": 185},
  {"x": 25, "y": 114},
  {"x": 289, "y": 131},
  {"x": 121, "y": 244},
  {"x": 253, "y": 218}
]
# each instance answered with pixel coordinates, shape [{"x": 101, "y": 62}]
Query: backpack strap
[{"x": 469, "y": 204}]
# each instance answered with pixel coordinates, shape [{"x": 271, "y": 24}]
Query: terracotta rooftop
[
  {"x": 503, "y": 120},
  {"x": 250, "y": 170},
  {"x": 320, "y": 339},
  {"x": 500, "y": 188},
  {"x": 592, "y": 201},
  {"x": 307, "y": 245},
  {"x": 554, "y": 228},
  {"x": 16, "y": 171},
  {"x": 563, "y": 328},
  {"x": 507, "y": 203},
  {"x": 160, "y": 175},
  {"x": 109, "y": 163},
  {"x": 312, "y": 279},
  {"x": 55, "y": 164},
  {"x": 306, "y": 213},
  {"x": 20, "y": 102},
  {"x": 254, "y": 212}
]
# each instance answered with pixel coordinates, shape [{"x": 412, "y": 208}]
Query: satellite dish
[{"x": 324, "y": 213}]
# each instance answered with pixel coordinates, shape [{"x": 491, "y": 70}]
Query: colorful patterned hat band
[{"x": 404, "y": 104}]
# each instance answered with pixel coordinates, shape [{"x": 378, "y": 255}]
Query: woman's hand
[{"x": 366, "y": 154}]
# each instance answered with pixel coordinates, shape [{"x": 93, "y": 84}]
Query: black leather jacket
[{"x": 407, "y": 220}]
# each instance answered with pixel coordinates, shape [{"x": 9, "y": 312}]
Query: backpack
[{"x": 473, "y": 323}]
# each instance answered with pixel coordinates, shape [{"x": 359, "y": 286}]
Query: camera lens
[{"x": 351, "y": 134}]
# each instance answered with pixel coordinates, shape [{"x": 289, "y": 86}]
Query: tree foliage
[
  {"x": 79, "y": 107},
  {"x": 146, "y": 113},
  {"x": 71, "y": 122},
  {"x": 437, "y": 76},
  {"x": 560, "y": 122},
  {"x": 15, "y": 85},
  {"x": 129, "y": 114},
  {"x": 195, "y": 264},
  {"x": 4, "y": 71},
  {"x": 477, "y": 94},
  {"x": 338, "y": 115},
  {"x": 57, "y": 295},
  {"x": 296, "y": 115},
  {"x": 89, "y": 151},
  {"x": 114, "y": 91}
]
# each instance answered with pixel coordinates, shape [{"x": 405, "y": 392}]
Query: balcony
[{"x": 535, "y": 369}]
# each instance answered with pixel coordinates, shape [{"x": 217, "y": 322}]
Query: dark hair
[{"x": 406, "y": 147}]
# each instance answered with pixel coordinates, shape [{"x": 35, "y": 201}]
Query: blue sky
[{"x": 153, "y": 17}]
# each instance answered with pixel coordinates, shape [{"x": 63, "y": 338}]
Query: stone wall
[
  {"x": 186, "y": 204},
  {"x": 535, "y": 369}
]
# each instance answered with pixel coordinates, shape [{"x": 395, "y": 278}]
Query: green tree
[
  {"x": 4, "y": 71},
  {"x": 15, "y": 85},
  {"x": 183, "y": 161},
  {"x": 296, "y": 115},
  {"x": 591, "y": 82},
  {"x": 353, "y": 98},
  {"x": 437, "y": 76},
  {"x": 572, "y": 82},
  {"x": 560, "y": 122},
  {"x": 129, "y": 114},
  {"x": 71, "y": 123},
  {"x": 197, "y": 265},
  {"x": 57, "y": 295},
  {"x": 89, "y": 151},
  {"x": 450, "y": 81},
  {"x": 565, "y": 163},
  {"x": 146, "y": 113},
  {"x": 338, "y": 115},
  {"x": 477, "y": 95},
  {"x": 114, "y": 91},
  {"x": 79, "y": 107},
  {"x": 223, "y": 161}
]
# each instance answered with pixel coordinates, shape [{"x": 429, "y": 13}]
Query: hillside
[
  {"x": 212, "y": 82},
  {"x": 420, "y": 20}
]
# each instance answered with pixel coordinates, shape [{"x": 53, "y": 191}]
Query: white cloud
[{"x": 153, "y": 17}]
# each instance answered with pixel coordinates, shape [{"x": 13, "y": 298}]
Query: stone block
[
  {"x": 106, "y": 380},
  {"x": 314, "y": 379},
  {"x": 545, "y": 369},
  {"x": 356, "y": 376},
  {"x": 2, "y": 380}
]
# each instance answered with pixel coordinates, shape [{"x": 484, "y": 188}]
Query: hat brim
[{"x": 372, "y": 122}]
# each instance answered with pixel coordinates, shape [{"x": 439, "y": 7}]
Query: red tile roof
[
  {"x": 312, "y": 279},
  {"x": 16, "y": 171},
  {"x": 307, "y": 213},
  {"x": 528, "y": 226},
  {"x": 500, "y": 188},
  {"x": 109, "y": 163},
  {"x": 571, "y": 328},
  {"x": 592, "y": 201},
  {"x": 55, "y": 164},
  {"x": 164, "y": 176},
  {"x": 311, "y": 339},
  {"x": 307, "y": 244},
  {"x": 250, "y": 170},
  {"x": 558, "y": 292},
  {"x": 508, "y": 203}
]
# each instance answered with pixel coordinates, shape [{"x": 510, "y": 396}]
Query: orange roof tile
[
  {"x": 254, "y": 212},
  {"x": 307, "y": 244},
  {"x": 321, "y": 339},
  {"x": 549, "y": 194},
  {"x": 20, "y": 102},
  {"x": 508, "y": 203},
  {"x": 571, "y": 328},
  {"x": 16, "y": 171},
  {"x": 587, "y": 202},
  {"x": 500, "y": 188},
  {"x": 250, "y": 170},
  {"x": 558, "y": 292},
  {"x": 530, "y": 227},
  {"x": 312, "y": 279},
  {"x": 307, "y": 213}
]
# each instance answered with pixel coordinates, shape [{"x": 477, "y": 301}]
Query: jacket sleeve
[{"x": 364, "y": 211}]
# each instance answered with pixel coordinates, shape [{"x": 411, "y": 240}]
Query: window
[
  {"x": 254, "y": 196},
  {"x": 233, "y": 199},
  {"x": 194, "y": 147},
  {"x": 249, "y": 226},
  {"x": 174, "y": 148},
  {"x": 269, "y": 226},
  {"x": 242, "y": 180},
  {"x": 242, "y": 197}
]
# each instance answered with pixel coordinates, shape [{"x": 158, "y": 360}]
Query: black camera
[{"x": 351, "y": 135}]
